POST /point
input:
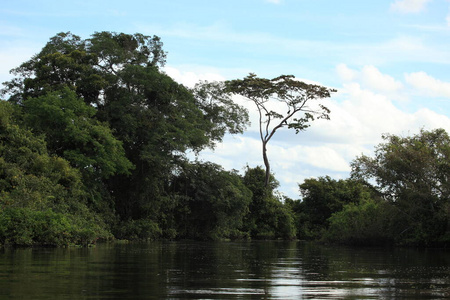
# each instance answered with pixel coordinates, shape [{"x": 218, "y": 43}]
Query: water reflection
[{"x": 241, "y": 270}]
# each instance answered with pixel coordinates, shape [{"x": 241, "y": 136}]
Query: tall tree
[
  {"x": 298, "y": 98},
  {"x": 85, "y": 66}
]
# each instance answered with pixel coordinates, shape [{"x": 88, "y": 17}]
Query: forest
[{"x": 95, "y": 141}]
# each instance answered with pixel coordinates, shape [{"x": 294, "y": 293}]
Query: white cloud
[
  {"x": 235, "y": 152},
  {"x": 190, "y": 78},
  {"x": 274, "y": 1},
  {"x": 409, "y": 6},
  {"x": 378, "y": 81},
  {"x": 429, "y": 119},
  {"x": 345, "y": 73},
  {"x": 428, "y": 85},
  {"x": 370, "y": 77},
  {"x": 320, "y": 156},
  {"x": 363, "y": 116},
  {"x": 369, "y": 114}
]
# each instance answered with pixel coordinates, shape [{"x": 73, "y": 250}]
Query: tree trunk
[{"x": 266, "y": 163}]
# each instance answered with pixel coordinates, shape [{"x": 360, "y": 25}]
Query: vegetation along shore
[{"x": 94, "y": 143}]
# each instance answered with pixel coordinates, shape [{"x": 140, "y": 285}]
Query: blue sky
[{"x": 388, "y": 59}]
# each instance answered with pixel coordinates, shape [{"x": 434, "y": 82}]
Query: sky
[{"x": 388, "y": 59}]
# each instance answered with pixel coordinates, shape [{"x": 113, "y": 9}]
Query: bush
[
  {"x": 142, "y": 230},
  {"x": 27, "y": 227},
  {"x": 366, "y": 223}
]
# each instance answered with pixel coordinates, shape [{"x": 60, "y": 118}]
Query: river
[{"x": 224, "y": 270}]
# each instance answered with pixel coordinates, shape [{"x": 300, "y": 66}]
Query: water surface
[{"x": 224, "y": 270}]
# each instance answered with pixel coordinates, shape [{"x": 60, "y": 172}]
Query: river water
[{"x": 224, "y": 270}]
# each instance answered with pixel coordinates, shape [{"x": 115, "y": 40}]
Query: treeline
[{"x": 94, "y": 144}]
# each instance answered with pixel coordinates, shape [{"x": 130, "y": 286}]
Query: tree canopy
[{"x": 301, "y": 100}]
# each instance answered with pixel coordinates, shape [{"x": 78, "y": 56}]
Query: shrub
[
  {"x": 27, "y": 227},
  {"x": 366, "y": 223},
  {"x": 142, "y": 229}
]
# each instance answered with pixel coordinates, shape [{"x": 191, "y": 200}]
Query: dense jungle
[{"x": 96, "y": 144}]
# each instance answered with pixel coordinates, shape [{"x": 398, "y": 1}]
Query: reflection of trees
[
  {"x": 378, "y": 272},
  {"x": 315, "y": 262},
  {"x": 115, "y": 272},
  {"x": 223, "y": 267},
  {"x": 228, "y": 269},
  {"x": 43, "y": 273},
  {"x": 231, "y": 270}
]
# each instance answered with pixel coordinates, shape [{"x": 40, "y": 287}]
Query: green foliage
[
  {"x": 222, "y": 114},
  {"x": 28, "y": 175},
  {"x": 115, "y": 50},
  {"x": 28, "y": 227},
  {"x": 138, "y": 230},
  {"x": 23, "y": 226},
  {"x": 42, "y": 200},
  {"x": 408, "y": 205},
  {"x": 268, "y": 217},
  {"x": 412, "y": 174},
  {"x": 85, "y": 66},
  {"x": 321, "y": 198},
  {"x": 211, "y": 202},
  {"x": 62, "y": 63},
  {"x": 159, "y": 121},
  {"x": 85, "y": 142},
  {"x": 365, "y": 223}
]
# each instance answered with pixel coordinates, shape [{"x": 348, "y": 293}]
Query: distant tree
[{"x": 296, "y": 97}]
